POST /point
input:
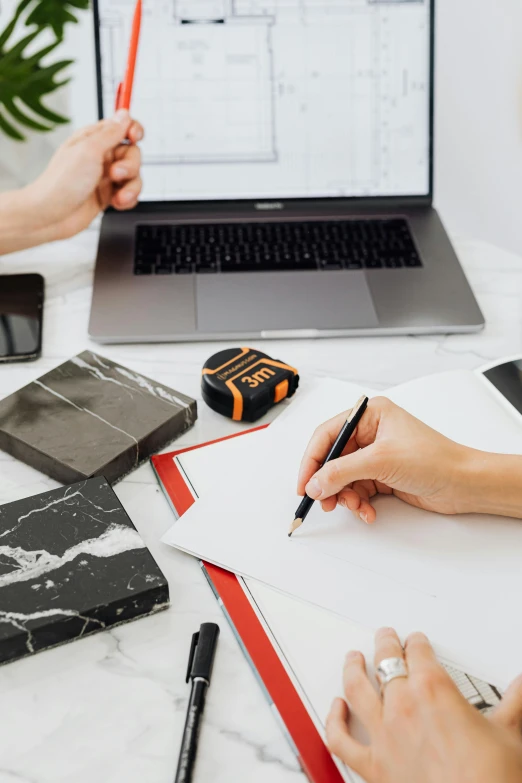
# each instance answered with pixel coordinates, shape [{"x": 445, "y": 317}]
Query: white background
[{"x": 478, "y": 186}]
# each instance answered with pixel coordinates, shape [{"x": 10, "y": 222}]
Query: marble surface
[
  {"x": 71, "y": 564},
  {"x": 91, "y": 417},
  {"x": 111, "y": 707}
]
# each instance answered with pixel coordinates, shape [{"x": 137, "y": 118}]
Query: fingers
[
  {"x": 127, "y": 196},
  {"x": 360, "y": 693},
  {"x": 388, "y": 645},
  {"x": 357, "y": 500},
  {"x": 136, "y": 132},
  {"x": 125, "y": 169},
  {"x": 127, "y": 163},
  {"x": 111, "y": 132},
  {"x": 330, "y": 504},
  {"x": 361, "y": 460},
  {"x": 351, "y": 752},
  {"x": 81, "y": 133},
  {"x": 509, "y": 712},
  {"x": 337, "y": 474},
  {"x": 317, "y": 450},
  {"x": 429, "y": 679},
  {"x": 419, "y": 652}
]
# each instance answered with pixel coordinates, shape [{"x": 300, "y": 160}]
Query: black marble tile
[
  {"x": 71, "y": 564},
  {"x": 91, "y": 417}
]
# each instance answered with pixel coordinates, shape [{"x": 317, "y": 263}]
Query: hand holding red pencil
[{"x": 92, "y": 170}]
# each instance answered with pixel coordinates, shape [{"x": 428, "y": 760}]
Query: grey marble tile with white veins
[
  {"x": 71, "y": 564},
  {"x": 91, "y": 417}
]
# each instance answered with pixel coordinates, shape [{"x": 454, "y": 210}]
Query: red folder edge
[{"x": 312, "y": 753}]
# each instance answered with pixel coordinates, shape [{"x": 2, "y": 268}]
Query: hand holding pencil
[
  {"x": 392, "y": 452},
  {"x": 347, "y": 430}
]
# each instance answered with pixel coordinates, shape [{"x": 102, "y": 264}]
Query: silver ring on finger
[{"x": 390, "y": 669}]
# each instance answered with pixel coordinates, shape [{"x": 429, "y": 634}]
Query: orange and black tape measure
[{"x": 244, "y": 384}]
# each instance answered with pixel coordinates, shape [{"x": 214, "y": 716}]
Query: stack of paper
[{"x": 452, "y": 577}]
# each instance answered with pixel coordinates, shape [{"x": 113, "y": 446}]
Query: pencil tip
[
  {"x": 293, "y": 527},
  {"x": 290, "y": 535}
]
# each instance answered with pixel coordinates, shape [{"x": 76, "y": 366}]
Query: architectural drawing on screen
[
  {"x": 207, "y": 79},
  {"x": 265, "y": 98}
]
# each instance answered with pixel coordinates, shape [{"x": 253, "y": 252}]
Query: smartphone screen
[
  {"x": 508, "y": 380},
  {"x": 21, "y": 310}
]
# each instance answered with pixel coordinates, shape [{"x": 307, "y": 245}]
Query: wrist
[
  {"x": 22, "y": 222},
  {"x": 35, "y": 206},
  {"x": 492, "y": 483},
  {"x": 17, "y": 212}
]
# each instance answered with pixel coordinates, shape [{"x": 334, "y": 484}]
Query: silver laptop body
[{"x": 288, "y": 174}]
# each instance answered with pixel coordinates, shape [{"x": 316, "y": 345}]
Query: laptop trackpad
[{"x": 254, "y": 302}]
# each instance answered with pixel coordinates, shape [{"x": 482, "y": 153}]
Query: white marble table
[{"x": 110, "y": 708}]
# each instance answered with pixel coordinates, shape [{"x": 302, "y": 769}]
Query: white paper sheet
[
  {"x": 209, "y": 467},
  {"x": 454, "y": 578}
]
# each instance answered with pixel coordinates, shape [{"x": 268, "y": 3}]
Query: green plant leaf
[
  {"x": 47, "y": 74},
  {"x": 14, "y": 54},
  {"x": 24, "y": 81},
  {"x": 6, "y": 34},
  {"x": 25, "y": 78},
  {"x": 37, "y": 56},
  {"x": 55, "y": 14},
  {"x": 24, "y": 119},
  {"x": 10, "y": 130},
  {"x": 38, "y": 108}
]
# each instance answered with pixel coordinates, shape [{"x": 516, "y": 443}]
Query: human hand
[
  {"x": 391, "y": 452},
  {"x": 422, "y": 730},
  {"x": 92, "y": 170}
]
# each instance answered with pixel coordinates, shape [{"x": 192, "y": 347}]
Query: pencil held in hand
[
  {"x": 124, "y": 91},
  {"x": 336, "y": 451}
]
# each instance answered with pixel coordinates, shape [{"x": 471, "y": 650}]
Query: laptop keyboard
[{"x": 203, "y": 248}]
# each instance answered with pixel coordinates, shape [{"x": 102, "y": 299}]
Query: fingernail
[
  {"x": 139, "y": 134},
  {"x": 313, "y": 489},
  {"x": 342, "y": 502},
  {"x": 120, "y": 171},
  {"x": 363, "y": 516},
  {"x": 121, "y": 116},
  {"x": 352, "y": 655}
]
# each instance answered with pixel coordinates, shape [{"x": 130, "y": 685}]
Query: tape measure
[{"x": 244, "y": 384}]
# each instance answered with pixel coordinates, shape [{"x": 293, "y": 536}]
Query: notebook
[{"x": 444, "y": 575}]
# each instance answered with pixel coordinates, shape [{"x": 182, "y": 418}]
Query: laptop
[{"x": 287, "y": 170}]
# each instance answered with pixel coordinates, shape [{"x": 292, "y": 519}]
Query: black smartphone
[
  {"x": 21, "y": 313},
  {"x": 507, "y": 378}
]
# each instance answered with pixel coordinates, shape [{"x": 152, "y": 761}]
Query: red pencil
[{"x": 124, "y": 91}]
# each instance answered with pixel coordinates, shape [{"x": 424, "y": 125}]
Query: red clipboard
[{"x": 311, "y": 751}]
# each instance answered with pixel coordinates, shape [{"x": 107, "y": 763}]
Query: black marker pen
[{"x": 199, "y": 671}]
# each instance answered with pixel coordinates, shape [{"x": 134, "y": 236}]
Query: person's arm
[
  {"x": 497, "y": 483},
  {"x": 18, "y": 227},
  {"x": 92, "y": 170},
  {"x": 392, "y": 452},
  {"x": 421, "y": 729}
]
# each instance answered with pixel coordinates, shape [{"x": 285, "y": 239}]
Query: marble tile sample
[
  {"x": 91, "y": 417},
  {"x": 71, "y": 564}
]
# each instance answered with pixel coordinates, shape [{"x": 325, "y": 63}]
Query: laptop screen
[{"x": 273, "y": 99}]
